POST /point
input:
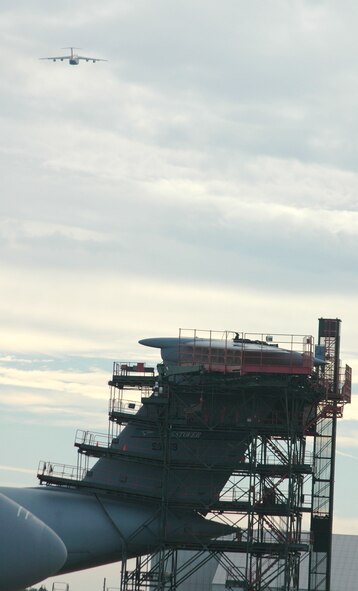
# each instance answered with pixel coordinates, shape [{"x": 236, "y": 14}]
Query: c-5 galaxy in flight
[
  {"x": 73, "y": 59},
  {"x": 114, "y": 512}
]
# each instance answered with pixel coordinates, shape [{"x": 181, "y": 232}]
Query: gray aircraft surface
[
  {"x": 29, "y": 549},
  {"x": 114, "y": 513},
  {"x": 230, "y": 354},
  {"x": 50, "y": 530},
  {"x": 73, "y": 59}
]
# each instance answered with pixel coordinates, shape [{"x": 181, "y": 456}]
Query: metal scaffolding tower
[
  {"x": 231, "y": 446},
  {"x": 337, "y": 393},
  {"x": 266, "y": 494}
]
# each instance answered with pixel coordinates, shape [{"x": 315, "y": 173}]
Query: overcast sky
[{"x": 205, "y": 176}]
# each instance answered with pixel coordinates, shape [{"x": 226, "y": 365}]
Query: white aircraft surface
[{"x": 73, "y": 58}]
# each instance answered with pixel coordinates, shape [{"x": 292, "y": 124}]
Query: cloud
[
  {"x": 16, "y": 469},
  {"x": 350, "y": 414},
  {"x": 60, "y": 397},
  {"x": 346, "y": 525},
  {"x": 205, "y": 176},
  {"x": 340, "y": 453}
]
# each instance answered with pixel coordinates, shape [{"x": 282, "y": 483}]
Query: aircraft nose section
[
  {"x": 53, "y": 551},
  {"x": 30, "y": 550}
]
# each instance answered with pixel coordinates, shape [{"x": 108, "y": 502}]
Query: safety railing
[
  {"x": 230, "y": 351},
  {"x": 121, "y": 405},
  {"x": 59, "y": 586},
  {"x": 92, "y": 439},
  {"x": 126, "y": 368},
  {"x": 48, "y": 469}
]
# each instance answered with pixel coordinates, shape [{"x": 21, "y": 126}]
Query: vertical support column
[
  {"x": 165, "y": 559},
  {"x": 157, "y": 571},
  {"x": 279, "y": 475},
  {"x": 324, "y": 459}
]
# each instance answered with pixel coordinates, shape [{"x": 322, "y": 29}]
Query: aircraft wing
[
  {"x": 56, "y": 57},
  {"x": 90, "y": 59}
]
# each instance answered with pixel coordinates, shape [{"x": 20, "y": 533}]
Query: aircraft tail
[{"x": 183, "y": 444}]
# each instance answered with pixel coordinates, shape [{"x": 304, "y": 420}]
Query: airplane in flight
[{"x": 73, "y": 58}]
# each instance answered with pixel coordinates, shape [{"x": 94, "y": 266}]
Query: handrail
[
  {"x": 230, "y": 351},
  {"x": 56, "y": 470},
  {"x": 125, "y": 368}
]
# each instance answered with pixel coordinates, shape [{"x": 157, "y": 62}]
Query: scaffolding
[
  {"x": 263, "y": 498},
  {"x": 228, "y": 441},
  {"x": 328, "y": 410}
]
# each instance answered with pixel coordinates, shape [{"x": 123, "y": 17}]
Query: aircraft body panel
[
  {"x": 98, "y": 530},
  {"x": 76, "y": 518},
  {"x": 30, "y": 550},
  {"x": 232, "y": 355}
]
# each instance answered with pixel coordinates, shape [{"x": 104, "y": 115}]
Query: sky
[{"x": 205, "y": 177}]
